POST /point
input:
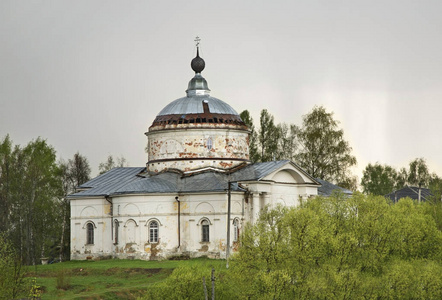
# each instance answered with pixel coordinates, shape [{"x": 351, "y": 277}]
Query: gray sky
[{"x": 90, "y": 76}]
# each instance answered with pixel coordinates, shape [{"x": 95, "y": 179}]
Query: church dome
[
  {"x": 198, "y": 107},
  {"x": 197, "y": 131}
]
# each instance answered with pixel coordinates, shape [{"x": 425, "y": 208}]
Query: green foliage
[
  {"x": 63, "y": 280},
  {"x": 30, "y": 189},
  {"x": 106, "y": 279},
  {"x": 12, "y": 283},
  {"x": 111, "y": 163},
  {"x": 253, "y": 137},
  {"x": 317, "y": 146},
  {"x": 287, "y": 141},
  {"x": 35, "y": 291},
  {"x": 418, "y": 174},
  {"x": 323, "y": 151},
  {"x": 268, "y": 136},
  {"x": 378, "y": 179},
  {"x": 186, "y": 282},
  {"x": 338, "y": 247},
  {"x": 382, "y": 179},
  {"x": 72, "y": 174}
]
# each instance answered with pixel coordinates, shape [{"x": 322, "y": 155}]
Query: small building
[
  {"x": 195, "y": 194},
  {"x": 413, "y": 192}
]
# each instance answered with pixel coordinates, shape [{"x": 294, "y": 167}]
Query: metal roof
[
  {"x": 194, "y": 105},
  {"x": 109, "y": 182},
  {"x": 257, "y": 171},
  {"x": 121, "y": 181},
  {"x": 411, "y": 192},
  {"x": 327, "y": 188}
]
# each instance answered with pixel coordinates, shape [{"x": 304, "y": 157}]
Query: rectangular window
[
  {"x": 153, "y": 232},
  {"x": 116, "y": 231},
  {"x": 205, "y": 233},
  {"x": 90, "y": 233}
]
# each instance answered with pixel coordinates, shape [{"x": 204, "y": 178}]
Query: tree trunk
[{"x": 62, "y": 230}]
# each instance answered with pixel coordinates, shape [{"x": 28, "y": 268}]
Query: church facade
[{"x": 195, "y": 194}]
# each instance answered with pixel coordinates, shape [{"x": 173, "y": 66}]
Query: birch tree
[{"x": 323, "y": 152}]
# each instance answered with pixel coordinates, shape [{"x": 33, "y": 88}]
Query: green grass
[{"x": 107, "y": 279}]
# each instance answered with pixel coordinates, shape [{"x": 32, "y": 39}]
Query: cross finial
[{"x": 197, "y": 41}]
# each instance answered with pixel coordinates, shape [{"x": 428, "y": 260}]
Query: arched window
[
  {"x": 90, "y": 233},
  {"x": 205, "y": 231},
  {"x": 116, "y": 225},
  {"x": 235, "y": 230},
  {"x": 153, "y": 232}
]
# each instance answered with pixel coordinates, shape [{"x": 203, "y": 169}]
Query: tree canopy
[
  {"x": 318, "y": 146},
  {"x": 383, "y": 179},
  {"x": 30, "y": 191},
  {"x": 335, "y": 248},
  {"x": 253, "y": 150},
  {"x": 111, "y": 163},
  {"x": 361, "y": 247},
  {"x": 323, "y": 151},
  {"x": 378, "y": 179}
]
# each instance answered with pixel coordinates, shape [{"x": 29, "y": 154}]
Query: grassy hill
[{"x": 106, "y": 279}]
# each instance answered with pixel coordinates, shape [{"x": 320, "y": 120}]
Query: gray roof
[
  {"x": 194, "y": 105},
  {"x": 327, "y": 188},
  {"x": 257, "y": 171},
  {"x": 120, "y": 181},
  {"x": 109, "y": 182},
  {"x": 410, "y": 192}
]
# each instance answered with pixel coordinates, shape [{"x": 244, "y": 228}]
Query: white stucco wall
[
  {"x": 134, "y": 213},
  {"x": 187, "y": 149}
]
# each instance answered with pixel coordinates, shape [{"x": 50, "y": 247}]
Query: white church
[{"x": 197, "y": 191}]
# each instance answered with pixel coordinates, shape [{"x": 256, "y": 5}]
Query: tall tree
[
  {"x": 72, "y": 173},
  {"x": 111, "y": 163},
  {"x": 287, "y": 141},
  {"x": 378, "y": 179},
  {"x": 401, "y": 178},
  {"x": 33, "y": 191},
  {"x": 268, "y": 137},
  {"x": 418, "y": 173},
  {"x": 323, "y": 151},
  {"x": 253, "y": 148},
  {"x": 79, "y": 169},
  {"x": 6, "y": 168},
  {"x": 435, "y": 186}
]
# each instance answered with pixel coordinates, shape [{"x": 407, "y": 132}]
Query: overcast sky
[{"x": 90, "y": 76}]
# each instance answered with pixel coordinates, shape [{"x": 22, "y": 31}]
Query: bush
[{"x": 63, "y": 280}]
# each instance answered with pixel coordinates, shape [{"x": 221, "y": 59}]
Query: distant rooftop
[{"x": 410, "y": 192}]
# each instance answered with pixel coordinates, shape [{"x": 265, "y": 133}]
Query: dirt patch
[
  {"x": 143, "y": 271},
  {"x": 131, "y": 271},
  {"x": 112, "y": 271}
]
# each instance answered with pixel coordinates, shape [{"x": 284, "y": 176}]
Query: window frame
[
  {"x": 235, "y": 230},
  {"x": 154, "y": 232},
  {"x": 205, "y": 231},
  {"x": 89, "y": 233},
  {"x": 116, "y": 232}
]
